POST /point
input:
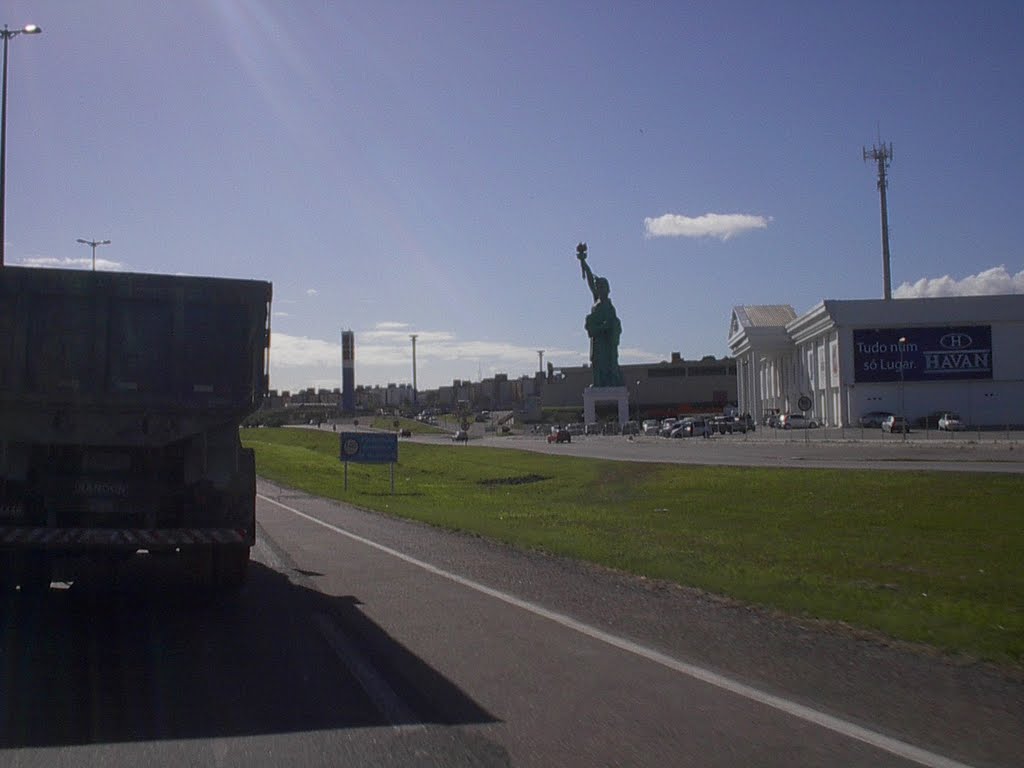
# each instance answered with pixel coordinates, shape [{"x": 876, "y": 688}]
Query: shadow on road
[{"x": 141, "y": 657}]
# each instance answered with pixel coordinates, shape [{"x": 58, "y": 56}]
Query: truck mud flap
[{"x": 131, "y": 539}]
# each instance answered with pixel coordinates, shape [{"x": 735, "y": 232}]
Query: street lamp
[
  {"x": 903, "y": 409},
  {"x": 638, "y": 420},
  {"x": 93, "y": 243},
  {"x": 7, "y": 34},
  {"x": 412, "y": 336}
]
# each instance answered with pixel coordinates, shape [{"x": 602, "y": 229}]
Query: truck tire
[{"x": 230, "y": 565}]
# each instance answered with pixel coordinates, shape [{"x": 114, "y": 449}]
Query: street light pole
[
  {"x": 638, "y": 420},
  {"x": 412, "y": 336},
  {"x": 7, "y": 34},
  {"x": 94, "y": 243},
  {"x": 903, "y": 409}
]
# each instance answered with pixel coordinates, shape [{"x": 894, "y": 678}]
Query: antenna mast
[
  {"x": 415, "y": 397},
  {"x": 882, "y": 155}
]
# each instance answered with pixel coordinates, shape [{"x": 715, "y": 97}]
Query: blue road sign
[{"x": 369, "y": 447}]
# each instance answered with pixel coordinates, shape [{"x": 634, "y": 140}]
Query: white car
[
  {"x": 950, "y": 422},
  {"x": 796, "y": 421}
]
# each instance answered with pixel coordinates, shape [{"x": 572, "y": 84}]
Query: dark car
[
  {"x": 744, "y": 423},
  {"x": 874, "y": 418},
  {"x": 723, "y": 425},
  {"x": 895, "y": 424},
  {"x": 691, "y": 427},
  {"x": 560, "y": 435}
]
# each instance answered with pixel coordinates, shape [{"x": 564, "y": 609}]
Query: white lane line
[
  {"x": 388, "y": 703},
  {"x": 808, "y": 714},
  {"x": 383, "y": 696}
]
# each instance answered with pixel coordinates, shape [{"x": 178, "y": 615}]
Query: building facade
[{"x": 914, "y": 357}]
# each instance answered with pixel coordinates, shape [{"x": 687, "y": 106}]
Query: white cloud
[
  {"x": 403, "y": 336},
  {"x": 992, "y": 281},
  {"x": 312, "y": 292},
  {"x": 51, "y": 262},
  {"x": 721, "y": 225},
  {"x": 289, "y": 351},
  {"x": 384, "y": 356}
]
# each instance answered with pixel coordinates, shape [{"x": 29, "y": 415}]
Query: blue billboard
[
  {"x": 922, "y": 354},
  {"x": 369, "y": 447}
]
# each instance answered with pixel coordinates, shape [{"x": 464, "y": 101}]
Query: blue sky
[{"x": 428, "y": 167}]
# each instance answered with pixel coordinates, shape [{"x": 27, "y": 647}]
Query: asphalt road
[
  {"x": 363, "y": 640},
  {"x": 853, "y": 449}
]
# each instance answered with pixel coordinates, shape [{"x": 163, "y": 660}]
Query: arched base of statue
[{"x": 594, "y": 395}]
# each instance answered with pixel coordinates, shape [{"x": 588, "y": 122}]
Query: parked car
[
  {"x": 681, "y": 428},
  {"x": 796, "y": 421},
  {"x": 931, "y": 421},
  {"x": 559, "y": 435},
  {"x": 651, "y": 426},
  {"x": 691, "y": 427},
  {"x": 895, "y": 424},
  {"x": 874, "y": 418},
  {"x": 950, "y": 422},
  {"x": 668, "y": 425},
  {"x": 461, "y": 435},
  {"x": 723, "y": 425},
  {"x": 744, "y": 423}
]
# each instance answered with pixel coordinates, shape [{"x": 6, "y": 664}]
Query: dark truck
[{"x": 121, "y": 397}]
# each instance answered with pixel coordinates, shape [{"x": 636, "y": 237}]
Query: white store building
[{"x": 909, "y": 356}]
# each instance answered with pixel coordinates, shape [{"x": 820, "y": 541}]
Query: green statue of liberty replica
[{"x": 602, "y": 326}]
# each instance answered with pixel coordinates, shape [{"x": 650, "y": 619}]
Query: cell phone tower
[
  {"x": 415, "y": 397},
  {"x": 882, "y": 155}
]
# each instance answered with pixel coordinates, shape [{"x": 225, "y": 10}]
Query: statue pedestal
[{"x": 594, "y": 395}]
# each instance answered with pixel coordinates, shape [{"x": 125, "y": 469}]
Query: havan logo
[
  {"x": 977, "y": 361},
  {"x": 954, "y": 341}
]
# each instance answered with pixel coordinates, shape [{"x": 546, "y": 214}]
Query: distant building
[{"x": 665, "y": 388}]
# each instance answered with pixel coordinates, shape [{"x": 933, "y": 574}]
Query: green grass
[
  {"x": 925, "y": 557},
  {"x": 415, "y": 427}
]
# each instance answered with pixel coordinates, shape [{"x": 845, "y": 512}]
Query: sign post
[
  {"x": 805, "y": 404},
  {"x": 369, "y": 448}
]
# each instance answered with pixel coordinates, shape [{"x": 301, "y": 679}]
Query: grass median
[{"x": 928, "y": 557}]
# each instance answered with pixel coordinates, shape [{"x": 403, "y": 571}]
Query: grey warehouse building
[{"x": 909, "y": 356}]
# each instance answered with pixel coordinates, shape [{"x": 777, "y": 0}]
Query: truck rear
[{"x": 120, "y": 400}]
